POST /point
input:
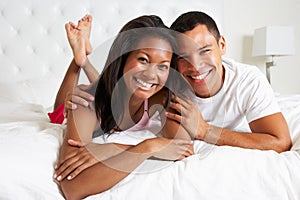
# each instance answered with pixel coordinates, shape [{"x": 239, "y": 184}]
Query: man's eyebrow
[
  {"x": 204, "y": 47},
  {"x": 199, "y": 49}
]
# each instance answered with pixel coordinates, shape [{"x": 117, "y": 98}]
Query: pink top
[{"x": 57, "y": 117}]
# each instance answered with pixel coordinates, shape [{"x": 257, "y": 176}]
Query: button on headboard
[{"x": 33, "y": 43}]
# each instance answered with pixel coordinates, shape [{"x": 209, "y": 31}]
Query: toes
[
  {"x": 72, "y": 25},
  {"x": 89, "y": 18}
]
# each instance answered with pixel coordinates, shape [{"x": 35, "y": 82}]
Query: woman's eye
[
  {"x": 181, "y": 58},
  {"x": 143, "y": 60}
]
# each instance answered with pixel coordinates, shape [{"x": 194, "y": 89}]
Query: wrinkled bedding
[{"x": 29, "y": 147}]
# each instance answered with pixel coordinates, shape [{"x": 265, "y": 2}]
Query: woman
[{"x": 135, "y": 74}]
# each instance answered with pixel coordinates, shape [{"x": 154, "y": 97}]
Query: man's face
[{"x": 200, "y": 60}]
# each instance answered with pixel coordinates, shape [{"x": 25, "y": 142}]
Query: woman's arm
[
  {"x": 103, "y": 175},
  {"x": 90, "y": 71}
]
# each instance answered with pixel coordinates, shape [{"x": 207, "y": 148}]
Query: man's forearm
[{"x": 262, "y": 141}]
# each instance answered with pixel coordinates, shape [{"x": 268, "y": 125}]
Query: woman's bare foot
[
  {"x": 78, "y": 37},
  {"x": 84, "y": 25},
  {"x": 77, "y": 43}
]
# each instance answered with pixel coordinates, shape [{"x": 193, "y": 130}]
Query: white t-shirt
[{"x": 245, "y": 96}]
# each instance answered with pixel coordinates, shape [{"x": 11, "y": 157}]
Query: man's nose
[{"x": 195, "y": 62}]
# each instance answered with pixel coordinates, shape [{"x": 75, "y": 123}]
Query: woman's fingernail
[
  {"x": 69, "y": 177},
  {"x": 59, "y": 178},
  {"x": 55, "y": 175},
  {"x": 55, "y": 167}
]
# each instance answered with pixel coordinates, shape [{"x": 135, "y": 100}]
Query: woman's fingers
[
  {"x": 68, "y": 167},
  {"x": 182, "y": 142},
  {"x": 75, "y": 143},
  {"x": 68, "y": 156},
  {"x": 79, "y": 169},
  {"x": 63, "y": 166}
]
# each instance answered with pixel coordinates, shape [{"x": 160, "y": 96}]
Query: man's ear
[{"x": 222, "y": 44}]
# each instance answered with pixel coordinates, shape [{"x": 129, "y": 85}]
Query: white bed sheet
[{"x": 29, "y": 148}]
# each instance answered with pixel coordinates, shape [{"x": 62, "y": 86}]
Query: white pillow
[
  {"x": 37, "y": 91},
  {"x": 17, "y": 92}
]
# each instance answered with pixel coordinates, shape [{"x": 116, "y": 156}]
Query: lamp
[{"x": 273, "y": 41}]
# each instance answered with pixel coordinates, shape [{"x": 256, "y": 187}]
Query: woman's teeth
[
  {"x": 144, "y": 84},
  {"x": 200, "y": 77}
]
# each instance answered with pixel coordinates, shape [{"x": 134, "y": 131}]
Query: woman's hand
[
  {"x": 169, "y": 149},
  {"x": 85, "y": 156},
  {"x": 189, "y": 116},
  {"x": 75, "y": 161}
]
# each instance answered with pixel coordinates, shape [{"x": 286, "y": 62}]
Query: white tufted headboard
[{"x": 34, "y": 52}]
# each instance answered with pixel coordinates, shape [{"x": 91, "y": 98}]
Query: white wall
[{"x": 240, "y": 20}]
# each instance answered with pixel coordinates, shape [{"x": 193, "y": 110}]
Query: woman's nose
[{"x": 150, "y": 72}]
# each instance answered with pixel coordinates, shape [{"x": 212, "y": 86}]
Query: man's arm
[{"x": 268, "y": 133}]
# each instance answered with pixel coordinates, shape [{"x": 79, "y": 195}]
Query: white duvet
[{"x": 29, "y": 146}]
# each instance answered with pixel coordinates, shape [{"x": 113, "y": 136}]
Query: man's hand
[
  {"x": 78, "y": 97},
  {"x": 189, "y": 116}
]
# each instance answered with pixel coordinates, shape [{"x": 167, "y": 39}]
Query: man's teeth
[
  {"x": 144, "y": 84},
  {"x": 201, "y": 76}
]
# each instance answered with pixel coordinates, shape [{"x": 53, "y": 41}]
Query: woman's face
[{"x": 147, "y": 68}]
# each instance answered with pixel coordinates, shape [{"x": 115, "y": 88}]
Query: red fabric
[{"x": 57, "y": 116}]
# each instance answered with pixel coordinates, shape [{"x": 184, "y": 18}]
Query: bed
[{"x": 34, "y": 56}]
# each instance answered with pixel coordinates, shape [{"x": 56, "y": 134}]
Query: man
[{"x": 228, "y": 94}]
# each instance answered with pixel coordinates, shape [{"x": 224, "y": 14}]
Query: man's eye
[
  {"x": 163, "y": 67},
  {"x": 205, "y": 51}
]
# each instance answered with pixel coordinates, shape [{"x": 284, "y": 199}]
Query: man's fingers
[
  {"x": 85, "y": 87},
  {"x": 79, "y": 100},
  {"x": 173, "y": 116},
  {"x": 83, "y": 94},
  {"x": 176, "y": 106},
  {"x": 182, "y": 101},
  {"x": 70, "y": 106}
]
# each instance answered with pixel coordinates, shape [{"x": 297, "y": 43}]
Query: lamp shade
[{"x": 273, "y": 41}]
